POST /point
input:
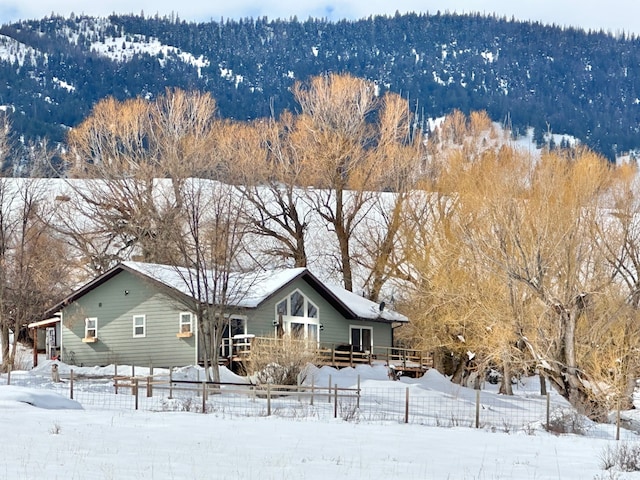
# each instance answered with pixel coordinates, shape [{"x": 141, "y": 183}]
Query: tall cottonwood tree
[
  {"x": 336, "y": 135},
  {"x": 536, "y": 234},
  {"x": 400, "y": 152},
  {"x": 133, "y": 157},
  {"x": 266, "y": 169},
  {"x": 34, "y": 267},
  {"x": 155, "y": 188},
  {"x": 208, "y": 252}
]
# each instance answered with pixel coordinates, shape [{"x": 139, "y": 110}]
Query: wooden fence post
[
  {"x": 149, "y": 391},
  {"x": 71, "y": 384},
  {"x": 329, "y": 396},
  {"x": 170, "y": 383},
  {"x": 268, "y": 399},
  {"x": 335, "y": 402},
  {"x": 313, "y": 380},
  {"x": 204, "y": 397},
  {"x": 406, "y": 407},
  {"x": 135, "y": 391},
  {"x": 150, "y": 385},
  {"x": 9, "y": 375},
  {"x": 358, "y": 393},
  {"x": 115, "y": 377},
  {"x": 548, "y": 411},
  {"x": 618, "y": 420},
  {"x": 477, "y": 408}
]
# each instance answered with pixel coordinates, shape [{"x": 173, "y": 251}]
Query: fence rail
[{"x": 398, "y": 402}]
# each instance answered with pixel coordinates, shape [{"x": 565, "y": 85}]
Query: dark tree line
[{"x": 565, "y": 80}]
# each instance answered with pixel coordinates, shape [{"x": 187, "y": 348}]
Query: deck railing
[{"x": 339, "y": 355}]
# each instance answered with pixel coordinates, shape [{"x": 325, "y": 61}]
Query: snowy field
[{"x": 100, "y": 435}]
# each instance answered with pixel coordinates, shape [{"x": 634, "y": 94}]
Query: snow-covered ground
[{"x": 100, "y": 435}]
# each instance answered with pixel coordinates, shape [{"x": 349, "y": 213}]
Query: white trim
[
  {"x": 86, "y": 327},
  {"x": 45, "y": 323},
  {"x": 181, "y": 323},
  {"x": 144, "y": 326}
]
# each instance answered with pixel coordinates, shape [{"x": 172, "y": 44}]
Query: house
[{"x": 140, "y": 314}]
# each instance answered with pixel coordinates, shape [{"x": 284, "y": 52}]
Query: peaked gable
[{"x": 252, "y": 289}]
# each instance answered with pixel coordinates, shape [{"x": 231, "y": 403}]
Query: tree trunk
[
  {"x": 4, "y": 339},
  {"x": 300, "y": 255},
  {"x": 505, "y": 385},
  {"x": 458, "y": 374}
]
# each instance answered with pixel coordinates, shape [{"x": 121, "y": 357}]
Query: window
[
  {"x": 362, "y": 338},
  {"x": 139, "y": 326},
  {"x": 91, "y": 328},
  {"x": 281, "y": 308},
  {"x": 300, "y": 317},
  {"x": 297, "y": 304},
  {"x": 186, "y": 322}
]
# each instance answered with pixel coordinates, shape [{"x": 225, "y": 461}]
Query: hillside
[{"x": 585, "y": 84}]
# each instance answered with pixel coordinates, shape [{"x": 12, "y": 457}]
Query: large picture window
[{"x": 299, "y": 316}]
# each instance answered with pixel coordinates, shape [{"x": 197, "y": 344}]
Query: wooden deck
[{"x": 402, "y": 361}]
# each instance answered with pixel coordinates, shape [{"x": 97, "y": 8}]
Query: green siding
[
  {"x": 335, "y": 327},
  {"x": 160, "y": 347},
  {"x": 114, "y": 310}
]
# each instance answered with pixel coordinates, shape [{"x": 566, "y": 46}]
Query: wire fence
[{"x": 400, "y": 402}]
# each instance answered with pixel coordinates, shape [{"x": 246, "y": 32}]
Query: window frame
[
  {"x": 305, "y": 320},
  {"x": 361, "y": 328},
  {"x": 182, "y": 324},
  {"x": 94, "y": 329},
  {"x": 144, "y": 326}
]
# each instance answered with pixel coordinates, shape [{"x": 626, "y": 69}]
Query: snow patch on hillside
[
  {"x": 13, "y": 51},
  {"x": 124, "y": 48}
]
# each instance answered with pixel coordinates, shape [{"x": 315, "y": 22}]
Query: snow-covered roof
[
  {"x": 246, "y": 290},
  {"x": 249, "y": 290},
  {"x": 363, "y": 307}
]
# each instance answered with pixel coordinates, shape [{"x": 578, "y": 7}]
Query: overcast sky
[{"x": 610, "y": 15}]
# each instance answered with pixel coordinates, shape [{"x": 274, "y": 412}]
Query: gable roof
[{"x": 252, "y": 289}]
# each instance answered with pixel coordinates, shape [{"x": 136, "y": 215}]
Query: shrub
[
  {"x": 624, "y": 456},
  {"x": 567, "y": 421},
  {"x": 279, "y": 361}
]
